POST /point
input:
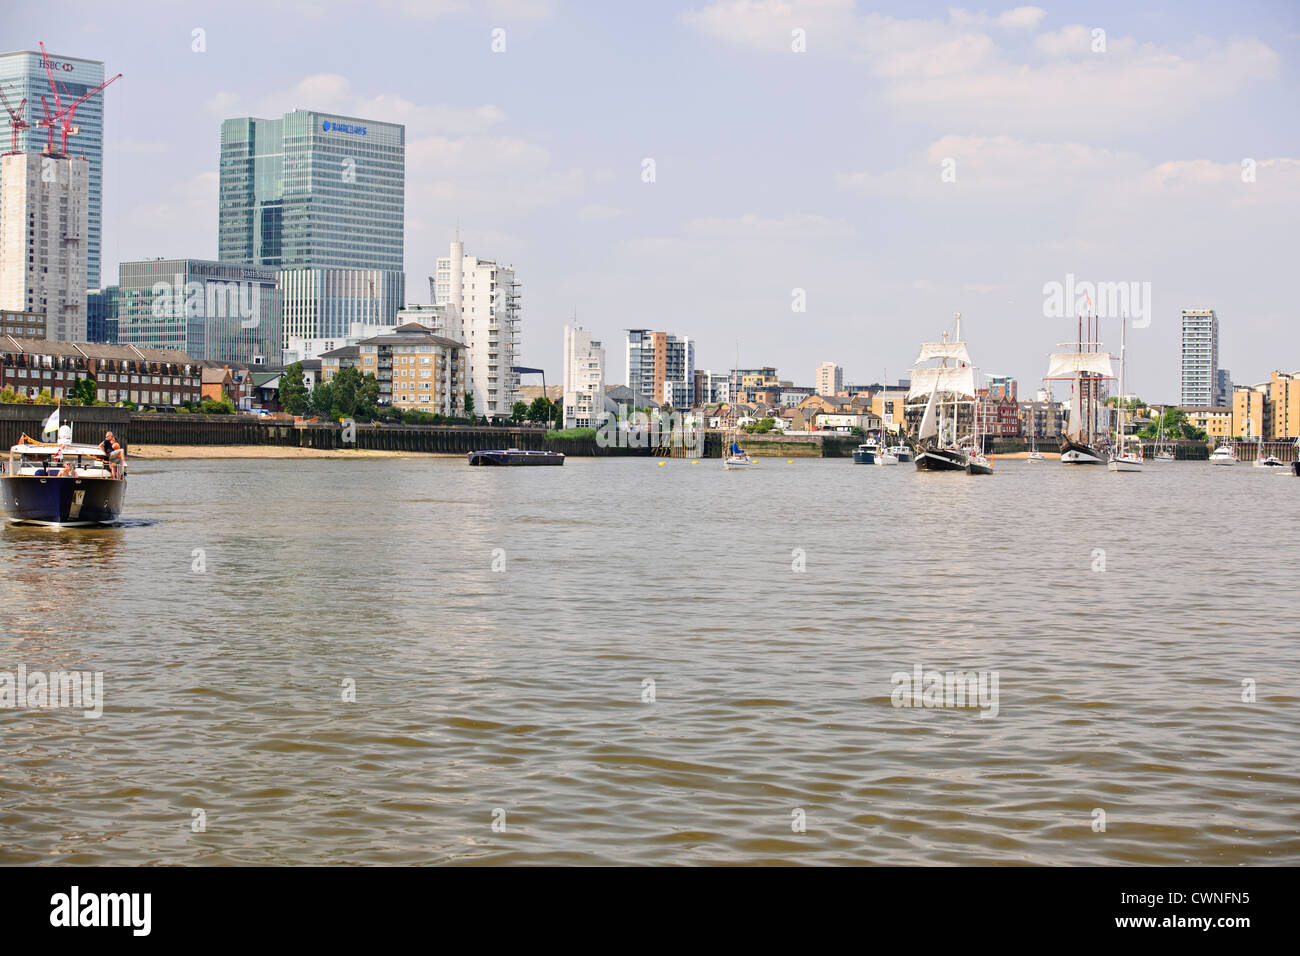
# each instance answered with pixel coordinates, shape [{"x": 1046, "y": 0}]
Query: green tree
[
  {"x": 211, "y": 406},
  {"x": 368, "y": 396},
  {"x": 542, "y": 410},
  {"x": 322, "y": 399},
  {"x": 294, "y": 397},
  {"x": 469, "y": 404},
  {"x": 518, "y": 412},
  {"x": 348, "y": 384}
]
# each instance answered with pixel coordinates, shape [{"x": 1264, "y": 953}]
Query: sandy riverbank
[{"x": 155, "y": 452}]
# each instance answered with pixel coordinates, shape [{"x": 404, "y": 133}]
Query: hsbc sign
[{"x": 62, "y": 65}]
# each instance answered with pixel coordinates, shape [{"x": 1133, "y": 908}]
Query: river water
[{"x": 500, "y": 630}]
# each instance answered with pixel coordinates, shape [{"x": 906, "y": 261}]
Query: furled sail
[
  {"x": 1069, "y": 364},
  {"x": 943, "y": 350},
  {"x": 954, "y": 380}
]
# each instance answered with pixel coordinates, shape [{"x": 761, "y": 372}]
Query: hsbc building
[{"x": 23, "y": 77}]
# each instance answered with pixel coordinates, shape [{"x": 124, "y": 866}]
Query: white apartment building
[
  {"x": 713, "y": 387},
  {"x": 44, "y": 215},
  {"x": 584, "y": 379},
  {"x": 830, "y": 379},
  {"x": 482, "y": 311},
  {"x": 1200, "y": 368}
]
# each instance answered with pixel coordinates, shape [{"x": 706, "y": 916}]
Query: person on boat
[
  {"x": 113, "y": 452},
  {"x": 66, "y": 471}
]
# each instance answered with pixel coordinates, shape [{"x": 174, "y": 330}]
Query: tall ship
[
  {"x": 59, "y": 483},
  {"x": 1087, "y": 369},
  {"x": 947, "y": 387}
]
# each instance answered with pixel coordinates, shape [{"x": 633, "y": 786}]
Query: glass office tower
[
  {"x": 223, "y": 311},
  {"x": 321, "y": 198},
  {"x": 23, "y": 77}
]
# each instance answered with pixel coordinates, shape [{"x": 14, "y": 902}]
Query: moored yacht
[
  {"x": 902, "y": 453},
  {"x": 1223, "y": 455},
  {"x": 1121, "y": 458},
  {"x": 866, "y": 453}
]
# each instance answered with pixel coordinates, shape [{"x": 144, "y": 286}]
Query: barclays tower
[{"x": 321, "y": 198}]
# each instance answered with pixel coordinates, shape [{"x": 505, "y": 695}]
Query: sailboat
[
  {"x": 946, "y": 387},
  {"x": 1034, "y": 453},
  {"x": 976, "y": 462},
  {"x": 733, "y": 456},
  {"x": 1261, "y": 459},
  {"x": 1121, "y": 459},
  {"x": 1085, "y": 369},
  {"x": 1164, "y": 453}
]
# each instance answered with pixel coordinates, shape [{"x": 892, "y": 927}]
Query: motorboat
[
  {"x": 1223, "y": 455},
  {"x": 62, "y": 484}
]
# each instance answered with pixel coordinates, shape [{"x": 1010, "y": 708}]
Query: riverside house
[{"x": 147, "y": 377}]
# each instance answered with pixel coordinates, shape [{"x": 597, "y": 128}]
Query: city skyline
[{"x": 929, "y": 186}]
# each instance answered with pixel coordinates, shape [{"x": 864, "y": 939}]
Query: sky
[{"x": 882, "y": 166}]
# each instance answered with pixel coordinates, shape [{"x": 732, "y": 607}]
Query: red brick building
[{"x": 121, "y": 372}]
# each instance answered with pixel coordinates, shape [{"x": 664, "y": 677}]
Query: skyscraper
[
  {"x": 23, "y": 77},
  {"x": 482, "y": 300},
  {"x": 44, "y": 201},
  {"x": 321, "y": 198},
  {"x": 1200, "y": 369}
]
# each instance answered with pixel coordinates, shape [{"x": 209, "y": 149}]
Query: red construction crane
[
  {"x": 62, "y": 116},
  {"x": 16, "y": 121}
]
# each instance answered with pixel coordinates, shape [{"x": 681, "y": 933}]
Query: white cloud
[
  {"x": 222, "y": 104},
  {"x": 954, "y": 73},
  {"x": 1017, "y": 18},
  {"x": 1013, "y": 173}
]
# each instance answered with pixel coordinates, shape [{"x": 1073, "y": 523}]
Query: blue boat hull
[
  {"x": 864, "y": 458},
  {"x": 67, "y": 501}
]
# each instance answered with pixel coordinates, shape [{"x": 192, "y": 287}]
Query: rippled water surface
[{"x": 1122, "y": 614}]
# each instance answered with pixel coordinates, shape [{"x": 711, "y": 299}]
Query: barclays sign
[{"x": 327, "y": 126}]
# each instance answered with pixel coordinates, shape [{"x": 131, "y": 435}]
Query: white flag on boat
[{"x": 51, "y": 427}]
